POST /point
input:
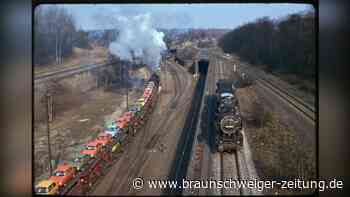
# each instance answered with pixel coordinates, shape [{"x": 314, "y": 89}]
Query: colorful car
[
  {"x": 111, "y": 128},
  {"x": 116, "y": 147},
  {"x": 148, "y": 89},
  {"x": 141, "y": 101},
  {"x": 81, "y": 162},
  {"x": 104, "y": 138},
  {"x": 128, "y": 116},
  {"x": 63, "y": 174},
  {"x": 93, "y": 148},
  {"x": 112, "y": 131},
  {"x": 110, "y": 124},
  {"x": 147, "y": 94},
  {"x": 47, "y": 187},
  {"x": 122, "y": 124},
  {"x": 136, "y": 110}
]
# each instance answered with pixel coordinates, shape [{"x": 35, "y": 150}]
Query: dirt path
[{"x": 150, "y": 153}]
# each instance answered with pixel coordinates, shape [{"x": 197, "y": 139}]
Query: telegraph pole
[{"x": 49, "y": 118}]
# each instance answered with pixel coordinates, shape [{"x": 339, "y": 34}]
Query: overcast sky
[{"x": 89, "y": 17}]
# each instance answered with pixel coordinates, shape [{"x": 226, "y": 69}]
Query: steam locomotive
[{"x": 228, "y": 121}]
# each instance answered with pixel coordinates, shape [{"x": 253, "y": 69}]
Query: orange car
[
  {"x": 122, "y": 123},
  {"x": 63, "y": 174},
  {"x": 92, "y": 148},
  {"x": 104, "y": 138}
]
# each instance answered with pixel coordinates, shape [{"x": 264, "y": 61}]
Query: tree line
[
  {"x": 55, "y": 35},
  {"x": 285, "y": 45}
]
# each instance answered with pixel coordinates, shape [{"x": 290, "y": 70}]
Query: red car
[
  {"x": 92, "y": 148},
  {"x": 63, "y": 174},
  {"x": 147, "y": 91},
  {"x": 147, "y": 95},
  {"x": 104, "y": 138}
]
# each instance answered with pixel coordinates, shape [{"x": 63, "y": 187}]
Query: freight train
[
  {"x": 228, "y": 121},
  {"x": 78, "y": 176}
]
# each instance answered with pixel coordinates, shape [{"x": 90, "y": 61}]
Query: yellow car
[
  {"x": 116, "y": 147},
  {"x": 141, "y": 101},
  {"x": 47, "y": 187}
]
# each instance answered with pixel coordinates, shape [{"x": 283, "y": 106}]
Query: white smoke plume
[{"x": 138, "y": 37}]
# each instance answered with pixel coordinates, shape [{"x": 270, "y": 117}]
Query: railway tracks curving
[{"x": 308, "y": 110}]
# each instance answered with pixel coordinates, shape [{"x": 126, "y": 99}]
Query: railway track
[
  {"x": 307, "y": 110},
  {"x": 229, "y": 163},
  {"x": 304, "y": 108},
  {"x": 223, "y": 166},
  {"x": 209, "y": 164},
  {"x": 234, "y": 165},
  {"x": 67, "y": 72}
]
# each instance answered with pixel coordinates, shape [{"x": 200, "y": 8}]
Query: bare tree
[
  {"x": 55, "y": 33},
  {"x": 287, "y": 44}
]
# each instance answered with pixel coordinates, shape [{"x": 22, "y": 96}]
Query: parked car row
[{"x": 78, "y": 176}]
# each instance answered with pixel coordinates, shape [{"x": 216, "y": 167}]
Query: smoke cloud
[{"x": 137, "y": 37}]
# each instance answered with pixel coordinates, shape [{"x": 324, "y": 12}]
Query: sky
[{"x": 93, "y": 17}]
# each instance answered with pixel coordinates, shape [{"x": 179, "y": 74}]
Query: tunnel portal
[{"x": 203, "y": 66}]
